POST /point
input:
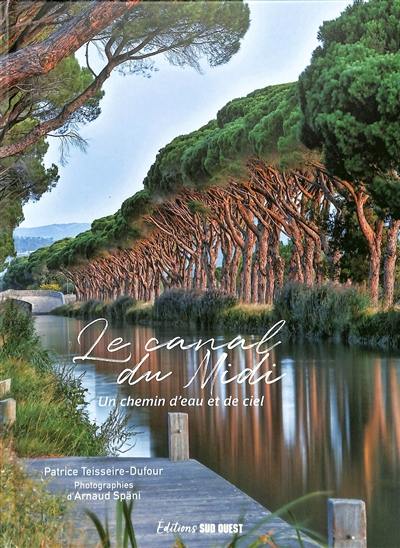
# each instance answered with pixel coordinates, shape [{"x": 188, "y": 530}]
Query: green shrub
[
  {"x": 51, "y": 415},
  {"x": 321, "y": 311},
  {"x": 18, "y": 338},
  {"x": 90, "y": 309},
  {"x": 247, "y": 317},
  {"x": 378, "y": 329},
  {"x": 191, "y": 306},
  {"x": 53, "y": 286},
  {"x": 326, "y": 311},
  {"x": 116, "y": 310},
  {"x": 140, "y": 313},
  {"x": 16, "y": 327}
]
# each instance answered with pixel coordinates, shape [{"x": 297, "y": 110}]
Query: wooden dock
[
  {"x": 175, "y": 498},
  {"x": 184, "y": 492}
]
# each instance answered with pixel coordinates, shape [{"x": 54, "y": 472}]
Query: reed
[{"x": 124, "y": 536}]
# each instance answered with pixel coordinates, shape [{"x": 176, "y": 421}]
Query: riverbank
[
  {"x": 51, "y": 412},
  {"x": 30, "y": 516},
  {"x": 324, "y": 312},
  {"x": 49, "y": 422}
]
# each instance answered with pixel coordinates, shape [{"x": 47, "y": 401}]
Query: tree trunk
[
  {"x": 247, "y": 266},
  {"x": 262, "y": 263},
  {"x": 233, "y": 271},
  {"x": 308, "y": 261},
  {"x": 374, "y": 241},
  {"x": 375, "y": 264},
  {"x": 41, "y": 58},
  {"x": 254, "y": 275},
  {"x": 226, "y": 249},
  {"x": 295, "y": 269},
  {"x": 390, "y": 263}
]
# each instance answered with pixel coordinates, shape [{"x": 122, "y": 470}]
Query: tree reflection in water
[{"x": 332, "y": 423}]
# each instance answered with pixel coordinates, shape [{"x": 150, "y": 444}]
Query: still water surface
[{"x": 332, "y": 423}]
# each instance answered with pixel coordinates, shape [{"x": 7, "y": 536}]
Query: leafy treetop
[
  {"x": 265, "y": 124},
  {"x": 350, "y": 98}
]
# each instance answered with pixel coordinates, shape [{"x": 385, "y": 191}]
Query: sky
[{"x": 141, "y": 115}]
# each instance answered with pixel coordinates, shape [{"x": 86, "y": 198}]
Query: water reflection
[{"x": 332, "y": 423}]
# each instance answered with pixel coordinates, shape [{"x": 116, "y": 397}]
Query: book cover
[{"x": 199, "y": 301}]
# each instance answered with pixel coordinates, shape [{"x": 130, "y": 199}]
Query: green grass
[
  {"x": 30, "y": 516},
  {"x": 48, "y": 421},
  {"x": 115, "y": 310},
  {"x": 51, "y": 413},
  {"x": 246, "y": 317}
]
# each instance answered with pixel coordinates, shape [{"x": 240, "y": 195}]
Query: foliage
[
  {"x": 30, "y": 515},
  {"x": 22, "y": 179},
  {"x": 18, "y": 338},
  {"x": 33, "y": 272},
  {"x": 264, "y": 123},
  {"x": 184, "y": 33},
  {"x": 140, "y": 313},
  {"x": 380, "y": 329},
  {"x": 51, "y": 286},
  {"x": 199, "y": 308},
  {"x": 118, "y": 308},
  {"x": 23, "y": 176},
  {"x": 349, "y": 98},
  {"x": 248, "y": 318},
  {"x": 322, "y": 311},
  {"x": 68, "y": 96},
  {"x": 116, "y": 311},
  {"x": 347, "y": 239},
  {"x": 18, "y": 276}
]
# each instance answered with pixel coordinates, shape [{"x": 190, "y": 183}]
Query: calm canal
[{"x": 332, "y": 423}]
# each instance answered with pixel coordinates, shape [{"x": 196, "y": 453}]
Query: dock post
[
  {"x": 178, "y": 436},
  {"x": 8, "y": 412},
  {"x": 347, "y": 523},
  {"x": 5, "y": 387}
]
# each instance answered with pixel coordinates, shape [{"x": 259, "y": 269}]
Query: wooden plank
[
  {"x": 184, "y": 492},
  {"x": 347, "y": 523},
  {"x": 8, "y": 412},
  {"x": 5, "y": 387},
  {"x": 178, "y": 436}
]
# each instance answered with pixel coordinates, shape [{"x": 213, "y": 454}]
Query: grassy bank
[
  {"x": 324, "y": 312},
  {"x": 30, "y": 516},
  {"x": 51, "y": 413}
]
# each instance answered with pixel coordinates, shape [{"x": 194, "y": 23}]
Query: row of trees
[
  {"x": 229, "y": 238},
  {"x": 315, "y": 162}
]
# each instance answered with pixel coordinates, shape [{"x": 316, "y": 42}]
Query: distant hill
[
  {"x": 55, "y": 232},
  {"x": 27, "y": 240},
  {"x": 26, "y": 244}
]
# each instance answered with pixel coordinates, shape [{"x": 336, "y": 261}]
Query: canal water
[{"x": 331, "y": 424}]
